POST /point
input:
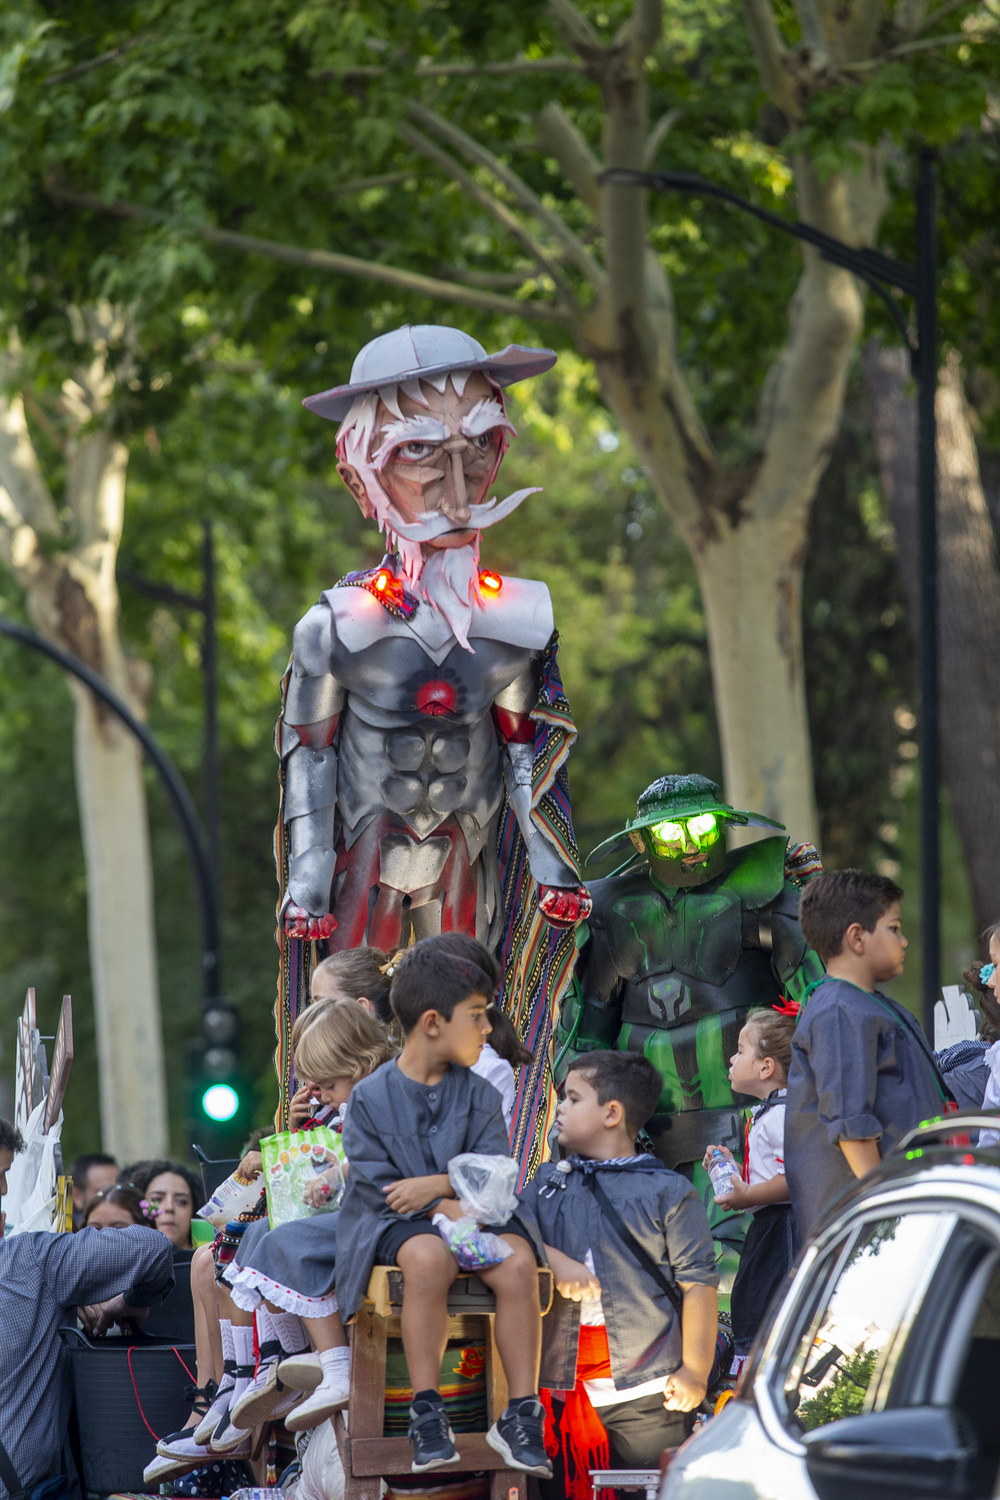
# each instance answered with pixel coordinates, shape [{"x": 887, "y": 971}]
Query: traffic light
[{"x": 221, "y": 1103}]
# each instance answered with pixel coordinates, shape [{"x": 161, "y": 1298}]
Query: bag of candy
[
  {"x": 475, "y": 1249},
  {"x": 292, "y": 1160}
]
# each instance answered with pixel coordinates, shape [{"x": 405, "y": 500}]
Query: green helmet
[{"x": 676, "y": 799}]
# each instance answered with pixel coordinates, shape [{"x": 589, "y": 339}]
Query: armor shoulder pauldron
[{"x": 519, "y": 614}]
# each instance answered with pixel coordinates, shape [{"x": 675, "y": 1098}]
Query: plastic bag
[
  {"x": 475, "y": 1249},
  {"x": 485, "y": 1186},
  {"x": 230, "y": 1199},
  {"x": 292, "y": 1159}
]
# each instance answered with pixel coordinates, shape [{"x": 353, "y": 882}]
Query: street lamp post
[{"x": 882, "y": 272}]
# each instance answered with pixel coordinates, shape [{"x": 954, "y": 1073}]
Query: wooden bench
[{"x": 366, "y": 1454}]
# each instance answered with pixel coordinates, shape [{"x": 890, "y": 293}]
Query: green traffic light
[{"x": 220, "y": 1102}]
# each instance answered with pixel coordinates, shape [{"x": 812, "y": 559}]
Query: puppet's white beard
[{"x": 448, "y": 579}]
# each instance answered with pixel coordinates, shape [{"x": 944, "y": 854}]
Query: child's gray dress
[{"x": 291, "y": 1266}]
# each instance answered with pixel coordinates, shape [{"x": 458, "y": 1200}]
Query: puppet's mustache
[{"x": 436, "y": 523}]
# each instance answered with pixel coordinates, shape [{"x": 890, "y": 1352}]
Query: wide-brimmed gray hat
[
  {"x": 425, "y": 349},
  {"x": 676, "y": 797}
]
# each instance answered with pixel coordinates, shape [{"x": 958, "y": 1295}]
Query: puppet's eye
[
  {"x": 415, "y": 450},
  {"x": 483, "y": 441}
]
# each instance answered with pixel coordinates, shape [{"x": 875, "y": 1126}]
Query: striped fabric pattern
[
  {"x": 537, "y": 961},
  {"x": 463, "y": 1387}
]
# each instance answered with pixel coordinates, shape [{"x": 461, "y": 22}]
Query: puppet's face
[
  {"x": 438, "y": 460},
  {"x": 684, "y": 851}
]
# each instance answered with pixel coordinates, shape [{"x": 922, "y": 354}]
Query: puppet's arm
[
  {"x": 306, "y": 732},
  {"x": 562, "y": 900}
]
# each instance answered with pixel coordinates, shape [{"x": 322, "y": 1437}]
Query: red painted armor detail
[
  {"x": 435, "y": 698},
  {"x": 371, "y": 914},
  {"x": 515, "y": 729},
  {"x": 320, "y": 734}
]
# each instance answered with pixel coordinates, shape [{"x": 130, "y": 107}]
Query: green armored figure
[{"x": 683, "y": 940}]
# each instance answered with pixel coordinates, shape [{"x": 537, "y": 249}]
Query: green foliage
[
  {"x": 844, "y": 1395},
  {"x": 253, "y": 116}
]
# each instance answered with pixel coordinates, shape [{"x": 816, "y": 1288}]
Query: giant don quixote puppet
[{"x": 424, "y": 731}]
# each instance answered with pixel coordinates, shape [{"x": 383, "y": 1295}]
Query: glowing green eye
[
  {"x": 667, "y": 833},
  {"x": 702, "y": 825}
]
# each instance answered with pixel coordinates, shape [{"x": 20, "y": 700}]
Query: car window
[{"x": 843, "y": 1360}]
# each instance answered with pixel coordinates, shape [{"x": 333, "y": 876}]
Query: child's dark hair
[
  {"x": 771, "y": 1034},
  {"x": 438, "y": 973},
  {"x": 504, "y": 1039},
  {"x": 835, "y": 901},
  {"x": 361, "y": 974},
  {"x": 11, "y": 1138},
  {"x": 127, "y": 1198},
  {"x": 626, "y": 1077}
]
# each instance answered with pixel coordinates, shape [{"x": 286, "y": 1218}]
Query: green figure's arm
[{"x": 590, "y": 1018}]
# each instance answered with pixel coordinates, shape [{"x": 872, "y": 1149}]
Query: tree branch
[
  {"x": 321, "y": 260},
  {"x": 471, "y": 149},
  {"x": 939, "y": 14},
  {"x": 20, "y": 471},
  {"x": 424, "y": 69},
  {"x": 813, "y": 34},
  {"x": 857, "y": 35},
  {"x": 503, "y": 215},
  {"x": 905, "y": 48},
  {"x": 96, "y": 62},
  {"x": 641, "y": 32},
  {"x": 576, "y": 31},
  {"x": 362, "y": 184},
  {"x": 771, "y": 54},
  {"x": 558, "y": 137},
  {"x": 658, "y": 135}
]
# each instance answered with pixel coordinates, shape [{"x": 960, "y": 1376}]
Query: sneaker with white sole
[
  {"x": 301, "y": 1372},
  {"x": 329, "y": 1396},
  {"x": 519, "y": 1435},
  {"x": 160, "y": 1469},
  {"x": 268, "y": 1398},
  {"x": 227, "y": 1437},
  {"x": 183, "y": 1448},
  {"x": 431, "y": 1435}
]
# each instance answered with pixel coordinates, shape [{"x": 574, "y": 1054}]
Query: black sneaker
[
  {"x": 431, "y": 1435},
  {"x": 520, "y": 1437}
]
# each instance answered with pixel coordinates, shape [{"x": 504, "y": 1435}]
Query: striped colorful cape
[{"x": 537, "y": 961}]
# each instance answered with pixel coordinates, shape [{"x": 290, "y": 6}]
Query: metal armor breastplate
[{"x": 423, "y": 771}]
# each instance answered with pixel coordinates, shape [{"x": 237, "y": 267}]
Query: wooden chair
[{"x": 366, "y": 1454}]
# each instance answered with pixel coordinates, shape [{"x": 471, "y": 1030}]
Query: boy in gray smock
[
  {"x": 404, "y": 1124},
  {"x": 862, "y": 1071},
  {"x": 619, "y": 1340}
]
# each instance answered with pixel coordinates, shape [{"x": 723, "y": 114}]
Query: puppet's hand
[
  {"x": 564, "y": 906},
  {"x": 299, "y": 924}
]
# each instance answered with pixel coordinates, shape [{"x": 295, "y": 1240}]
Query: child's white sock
[
  {"x": 335, "y": 1364},
  {"x": 266, "y": 1331},
  {"x": 290, "y": 1332},
  {"x": 243, "y": 1340},
  {"x": 228, "y": 1346}
]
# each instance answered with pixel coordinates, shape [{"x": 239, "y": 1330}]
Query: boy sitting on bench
[
  {"x": 628, "y": 1241},
  {"x": 405, "y": 1123}
]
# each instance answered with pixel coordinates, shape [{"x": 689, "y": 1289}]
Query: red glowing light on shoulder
[
  {"x": 491, "y": 582},
  {"x": 382, "y": 579}
]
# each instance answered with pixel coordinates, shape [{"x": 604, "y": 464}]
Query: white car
[{"x": 878, "y": 1373}]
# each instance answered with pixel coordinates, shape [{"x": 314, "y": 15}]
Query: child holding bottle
[{"x": 759, "y": 1067}]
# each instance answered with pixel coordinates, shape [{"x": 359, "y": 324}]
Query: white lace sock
[
  {"x": 290, "y": 1332},
  {"x": 243, "y": 1339}
]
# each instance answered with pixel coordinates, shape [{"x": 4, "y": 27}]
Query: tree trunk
[
  {"x": 111, "y": 794},
  {"x": 751, "y": 586},
  {"x": 969, "y": 621},
  {"x": 72, "y": 599}
]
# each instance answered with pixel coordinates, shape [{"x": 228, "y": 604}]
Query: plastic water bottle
[{"x": 722, "y": 1171}]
